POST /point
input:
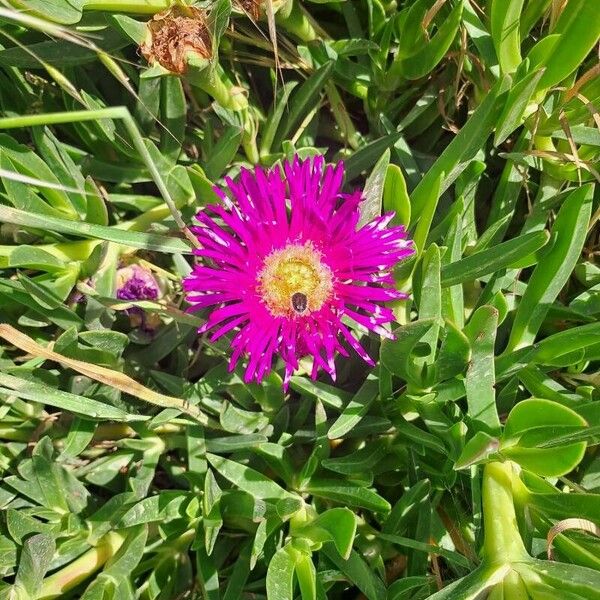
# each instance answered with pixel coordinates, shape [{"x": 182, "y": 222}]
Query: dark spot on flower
[
  {"x": 299, "y": 302},
  {"x": 173, "y": 34}
]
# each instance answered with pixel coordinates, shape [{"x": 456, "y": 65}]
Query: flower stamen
[{"x": 294, "y": 281}]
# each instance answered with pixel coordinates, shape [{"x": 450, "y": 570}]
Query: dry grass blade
[
  {"x": 593, "y": 110},
  {"x": 566, "y": 525},
  {"x": 430, "y": 14},
  {"x": 109, "y": 377},
  {"x": 567, "y": 129}
]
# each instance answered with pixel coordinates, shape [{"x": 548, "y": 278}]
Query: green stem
[
  {"x": 342, "y": 118},
  {"x": 217, "y": 86},
  {"x": 232, "y": 98},
  {"x": 393, "y": 78},
  {"x": 502, "y": 540},
  {"x": 140, "y": 7},
  {"x": 250, "y": 147},
  {"x": 299, "y": 23},
  {"x": 79, "y": 570},
  {"x": 16, "y": 434}
]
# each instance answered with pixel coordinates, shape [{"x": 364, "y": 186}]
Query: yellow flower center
[{"x": 294, "y": 281}]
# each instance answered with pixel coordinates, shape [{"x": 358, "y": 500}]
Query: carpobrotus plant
[
  {"x": 285, "y": 264},
  {"x": 460, "y": 461}
]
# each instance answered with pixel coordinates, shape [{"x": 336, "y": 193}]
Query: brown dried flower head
[
  {"x": 250, "y": 7},
  {"x": 173, "y": 34}
]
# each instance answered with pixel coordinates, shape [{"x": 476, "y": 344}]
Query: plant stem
[
  {"x": 220, "y": 88},
  {"x": 502, "y": 541},
  {"x": 342, "y": 118},
  {"x": 299, "y": 23},
  {"x": 79, "y": 570},
  {"x": 250, "y": 147},
  {"x": 140, "y": 7}
]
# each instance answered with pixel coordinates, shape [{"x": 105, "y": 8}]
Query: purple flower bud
[{"x": 136, "y": 283}]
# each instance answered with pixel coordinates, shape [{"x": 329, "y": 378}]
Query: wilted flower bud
[
  {"x": 175, "y": 34},
  {"x": 136, "y": 283}
]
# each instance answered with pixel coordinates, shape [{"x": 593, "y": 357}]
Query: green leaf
[
  {"x": 493, "y": 259},
  {"x": 481, "y": 37},
  {"x": 280, "y": 574},
  {"x": 477, "y": 450},
  {"x": 579, "y": 30},
  {"x": 173, "y": 116},
  {"x": 302, "y": 101},
  {"x": 36, "y": 556},
  {"x": 135, "y": 30},
  {"x": 565, "y": 342},
  {"x": 463, "y": 148},
  {"x": 27, "y": 163},
  {"x": 357, "y": 572},
  {"x": 66, "y": 12},
  {"x": 396, "y": 354},
  {"x": 358, "y": 461},
  {"x": 504, "y": 21},
  {"x": 355, "y": 409},
  {"x": 223, "y": 152},
  {"x": 162, "y": 507},
  {"x": 453, "y": 302},
  {"x": 348, "y": 493},
  {"x": 395, "y": 196},
  {"x": 330, "y": 396},
  {"x": 554, "y": 267},
  {"x": 561, "y": 579},
  {"x": 34, "y": 258},
  {"x": 273, "y": 121},
  {"x": 405, "y": 542},
  {"x": 368, "y": 155},
  {"x": 454, "y": 353},
  {"x": 80, "y": 435},
  {"x": 211, "y": 511},
  {"x": 529, "y": 424},
  {"x": 565, "y": 506},
  {"x": 147, "y": 241},
  {"x": 248, "y": 479},
  {"x": 129, "y": 555},
  {"x": 516, "y": 104},
  {"x": 480, "y": 377},
  {"x": 430, "y": 53},
  {"x": 335, "y": 524},
  {"x": 373, "y": 191},
  {"x": 430, "y": 301},
  {"x": 208, "y": 574},
  {"x": 307, "y": 577},
  {"x": 46, "y": 395}
]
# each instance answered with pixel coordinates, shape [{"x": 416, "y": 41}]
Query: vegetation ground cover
[{"x": 462, "y": 464}]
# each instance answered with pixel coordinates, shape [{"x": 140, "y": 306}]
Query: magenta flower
[{"x": 285, "y": 266}]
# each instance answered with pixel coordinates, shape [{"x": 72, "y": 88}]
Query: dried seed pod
[{"x": 175, "y": 33}]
